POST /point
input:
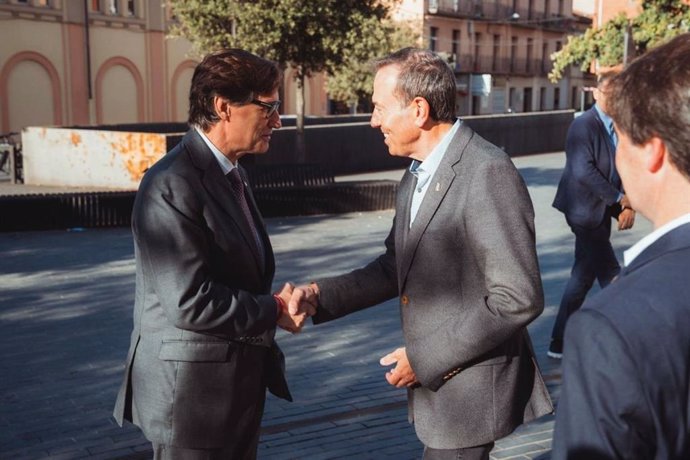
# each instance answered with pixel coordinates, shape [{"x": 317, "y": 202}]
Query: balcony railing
[
  {"x": 499, "y": 12},
  {"x": 502, "y": 66},
  {"x": 470, "y": 9}
]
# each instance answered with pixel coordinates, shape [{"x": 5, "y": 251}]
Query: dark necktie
[{"x": 238, "y": 190}]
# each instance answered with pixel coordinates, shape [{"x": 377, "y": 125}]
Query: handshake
[{"x": 296, "y": 305}]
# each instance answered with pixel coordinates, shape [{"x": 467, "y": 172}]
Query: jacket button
[{"x": 404, "y": 300}]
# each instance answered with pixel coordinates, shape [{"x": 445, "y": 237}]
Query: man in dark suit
[
  {"x": 590, "y": 195},
  {"x": 626, "y": 367},
  {"x": 202, "y": 351},
  {"x": 461, "y": 258}
]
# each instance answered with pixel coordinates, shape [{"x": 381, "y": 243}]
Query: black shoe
[{"x": 555, "y": 349}]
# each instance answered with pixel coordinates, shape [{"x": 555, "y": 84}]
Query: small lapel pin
[{"x": 438, "y": 186}]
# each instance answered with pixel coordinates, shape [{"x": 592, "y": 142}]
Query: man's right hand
[{"x": 292, "y": 319}]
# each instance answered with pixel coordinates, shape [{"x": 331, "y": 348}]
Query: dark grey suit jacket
[
  {"x": 468, "y": 280},
  {"x": 589, "y": 187},
  {"x": 204, "y": 317},
  {"x": 626, "y": 366}
]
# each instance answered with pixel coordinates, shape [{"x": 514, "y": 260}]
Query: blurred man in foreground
[{"x": 626, "y": 367}]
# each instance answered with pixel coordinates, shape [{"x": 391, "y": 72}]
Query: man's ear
[
  {"x": 222, "y": 107},
  {"x": 657, "y": 155},
  {"x": 421, "y": 111}
]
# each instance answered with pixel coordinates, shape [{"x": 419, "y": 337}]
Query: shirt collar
[
  {"x": 644, "y": 243},
  {"x": 225, "y": 165},
  {"x": 426, "y": 169},
  {"x": 604, "y": 118}
]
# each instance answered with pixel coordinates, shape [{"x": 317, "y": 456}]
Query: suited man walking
[
  {"x": 202, "y": 352},
  {"x": 590, "y": 194},
  {"x": 461, "y": 258},
  {"x": 626, "y": 370}
]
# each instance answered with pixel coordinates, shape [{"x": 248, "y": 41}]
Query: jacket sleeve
[
  {"x": 361, "y": 288},
  {"x": 176, "y": 252}
]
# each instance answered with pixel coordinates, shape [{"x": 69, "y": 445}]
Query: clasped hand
[
  {"x": 300, "y": 303},
  {"x": 626, "y": 218}
]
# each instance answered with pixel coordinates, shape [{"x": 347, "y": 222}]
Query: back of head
[
  {"x": 424, "y": 74},
  {"x": 651, "y": 98},
  {"x": 237, "y": 75}
]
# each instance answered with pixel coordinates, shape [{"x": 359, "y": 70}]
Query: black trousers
[
  {"x": 594, "y": 260},
  {"x": 243, "y": 449}
]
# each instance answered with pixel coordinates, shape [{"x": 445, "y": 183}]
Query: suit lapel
[
  {"x": 402, "y": 217},
  {"x": 404, "y": 201},
  {"x": 218, "y": 187},
  {"x": 439, "y": 185}
]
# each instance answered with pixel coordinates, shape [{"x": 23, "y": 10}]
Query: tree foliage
[
  {"x": 658, "y": 21},
  {"x": 307, "y": 36},
  {"x": 353, "y": 81}
]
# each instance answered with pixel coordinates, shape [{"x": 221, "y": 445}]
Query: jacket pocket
[
  {"x": 194, "y": 351},
  {"x": 492, "y": 361}
]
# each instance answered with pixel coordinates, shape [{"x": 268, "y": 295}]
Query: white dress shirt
[
  {"x": 644, "y": 243},
  {"x": 225, "y": 164}
]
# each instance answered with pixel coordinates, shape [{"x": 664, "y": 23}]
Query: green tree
[
  {"x": 307, "y": 36},
  {"x": 658, "y": 21},
  {"x": 352, "y": 82}
]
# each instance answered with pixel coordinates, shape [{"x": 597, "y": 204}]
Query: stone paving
[{"x": 65, "y": 318}]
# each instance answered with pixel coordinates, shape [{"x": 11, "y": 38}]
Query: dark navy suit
[
  {"x": 588, "y": 194},
  {"x": 626, "y": 371}
]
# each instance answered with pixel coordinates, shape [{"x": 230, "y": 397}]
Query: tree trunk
[{"x": 300, "y": 145}]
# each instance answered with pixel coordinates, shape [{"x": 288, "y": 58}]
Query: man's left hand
[{"x": 402, "y": 374}]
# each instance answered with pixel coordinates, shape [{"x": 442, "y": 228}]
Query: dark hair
[
  {"x": 424, "y": 74},
  {"x": 235, "y": 74},
  {"x": 651, "y": 98}
]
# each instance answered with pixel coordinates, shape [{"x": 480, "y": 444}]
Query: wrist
[
  {"x": 281, "y": 306},
  {"x": 315, "y": 287}
]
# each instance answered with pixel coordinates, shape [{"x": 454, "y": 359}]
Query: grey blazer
[
  {"x": 204, "y": 318},
  {"x": 468, "y": 280}
]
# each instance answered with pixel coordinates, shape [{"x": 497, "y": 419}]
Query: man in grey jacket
[{"x": 461, "y": 258}]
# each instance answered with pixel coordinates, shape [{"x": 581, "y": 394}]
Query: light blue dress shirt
[
  {"x": 425, "y": 170},
  {"x": 608, "y": 124}
]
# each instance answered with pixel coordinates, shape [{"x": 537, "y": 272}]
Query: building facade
[
  {"x": 83, "y": 62},
  {"x": 501, "y": 50},
  {"x": 57, "y": 68}
]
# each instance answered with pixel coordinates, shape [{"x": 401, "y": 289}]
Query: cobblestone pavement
[{"x": 65, "y": 318}]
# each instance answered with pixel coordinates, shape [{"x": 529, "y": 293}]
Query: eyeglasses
[{"x": 271, "y": 107}]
